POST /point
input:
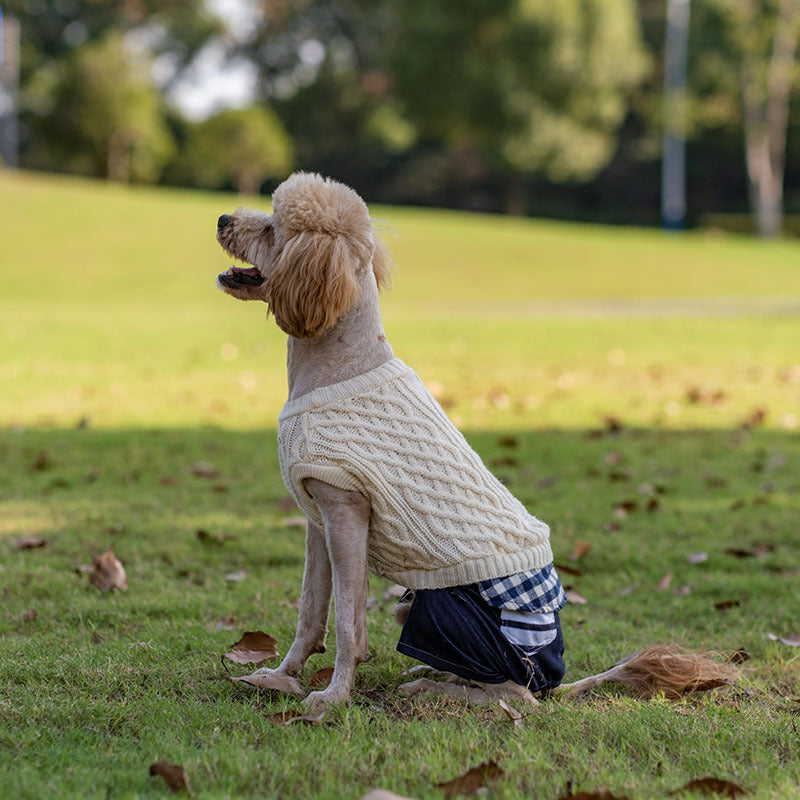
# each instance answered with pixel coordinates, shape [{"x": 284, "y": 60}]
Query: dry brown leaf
[
  {"x": 580, "y": 549},
  {"x": 791, "y": 641},
  {"x": 107, "y": 573},
  {"x": 286, "y": 505},
  {"x": 394, "y": 592},
  {"x": 739, "y": 656},
  {"x": 311, "y": 718},
  {"x": 321, "y": 678},
  {"x": 282, "y": 717},
  {"x": 751, "y": 552},
  {"x": 724, "y": 605},
  {"x": 253, "y": 648},
  {"x": 30, "y": 615},
  {"x": 204, "y": 469},
  {"x": 665, "y": 582},
  {"x": 273, "y": 681},
  {"x": 515, "y": 716},
  {"x": 214, "y": 538},
  {"x": 472, "y": 780},
  {"x": 712, "y": 786},
  {"x": 172, "y": 774},
  {"x": 42, "y": 462},
  {"x": 600, "y": 794},
  {"x": 575, "y": 597},
  {"x": 383, "y": 794},
  {"x": 568, "y": 570},
  {"x": 29, "y": 542},
  {"x": 509, "y": 442}
]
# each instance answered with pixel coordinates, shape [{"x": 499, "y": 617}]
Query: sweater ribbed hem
[
  {"x": 484, "y": 569},
  {"x": 349, "y": 388}
]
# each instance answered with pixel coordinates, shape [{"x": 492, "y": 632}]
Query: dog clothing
[{"x": 439, "y": 518}]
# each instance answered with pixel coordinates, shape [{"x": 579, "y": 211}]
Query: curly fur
[{"x": 311, "y": 251}]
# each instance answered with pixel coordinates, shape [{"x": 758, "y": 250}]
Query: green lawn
[{"x": 121, "y": 366}]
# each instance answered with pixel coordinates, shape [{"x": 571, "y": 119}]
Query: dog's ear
[{"x": 313, "y": 282}]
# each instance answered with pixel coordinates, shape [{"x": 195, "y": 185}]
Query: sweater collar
[{"x": 350, "y": 388}]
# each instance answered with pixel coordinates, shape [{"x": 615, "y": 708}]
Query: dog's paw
[
  {"x": 274, "y": 680},
  {"x": 319, "y": 701}
]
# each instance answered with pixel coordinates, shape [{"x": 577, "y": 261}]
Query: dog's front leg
[
  {"x": 346, "y": 520},
  {"x": 315, "y": 603},
  {"x": 312, "y": 619}
]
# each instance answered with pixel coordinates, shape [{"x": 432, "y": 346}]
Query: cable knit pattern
[{"x": 439, "y": 517}]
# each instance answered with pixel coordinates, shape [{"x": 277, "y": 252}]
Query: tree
[
  {"x": 240, "y": 146},
  {"x": 106, "y": 117},
  {"x": 536, "y": 85},
  {"x": 763, "y": 34}
]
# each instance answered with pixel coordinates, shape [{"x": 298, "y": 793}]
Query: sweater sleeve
[{"x": 299, "y": 463}]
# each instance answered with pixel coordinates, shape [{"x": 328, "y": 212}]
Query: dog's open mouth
[{"x": 241, "y": 276}]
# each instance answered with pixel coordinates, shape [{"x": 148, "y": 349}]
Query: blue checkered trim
[{"x": 538, "y": 590}]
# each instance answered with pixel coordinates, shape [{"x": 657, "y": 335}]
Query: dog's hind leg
[
  {"x": 346, "y": 523},
  {"x": 480, "y": 694}
]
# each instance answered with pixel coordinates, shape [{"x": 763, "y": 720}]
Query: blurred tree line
[{"x": 518, "y": 106}]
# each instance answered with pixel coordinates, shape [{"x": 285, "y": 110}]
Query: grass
[{"x": 121, "y": 367}]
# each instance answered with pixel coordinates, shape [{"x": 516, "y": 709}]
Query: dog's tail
[{"x": 666, "y": 668}]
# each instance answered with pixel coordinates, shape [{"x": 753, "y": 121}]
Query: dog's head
[{"x": 308, "y": 257}]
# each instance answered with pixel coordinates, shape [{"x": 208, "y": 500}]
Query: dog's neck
[{"x": 355, "y": 345}]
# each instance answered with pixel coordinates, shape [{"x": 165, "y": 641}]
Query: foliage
[{"x": 242, "y": 146}]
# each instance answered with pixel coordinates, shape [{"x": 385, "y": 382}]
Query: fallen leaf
[
  {"x": 214, "y": 538},
  {"x": 172, "y": 774},
  {"x": 664, "y": 583},
  {"x": 755, "y": 418},
  {"x": 568, "y": 570},
  {"x": 575, "y": 597},
  {"x": 683, "y": 590},
  {"x": 168, "y": 480},
  {"x": 580, "y": 549},
  {"x": 472, "y": 780},
  {"x": 220, "y": 488},
  {"x": 619, "y": 475},
  {"x": 712, "y": 786},
  {"x": 653, "y": 504},
  {"x": 625, "y": 507},
  {"x": 236, "y": 577},
  {"x": 791, "y": 641},
  {"x": 697, "y": 558},
  {"x": 612, "y": 459},
  {"x": 504, "y": 461},
  {"x": 612, "y": 527},
  {"x": 286, "y": 505},
  {"x": 224, "y": 624},
  {"x": 203, "y": 469},
  {"x": 600, "y": 794},
  {"x": 29, "y": 542},
  {"x": 107, "y": 573},
  {"x": 311, "y": 718},
  {"x": 282, "y": 717},
  {"x": 512, "y": 713},
  {"x": 382, "y": 794},
  {"x": 321, "y": 678},
  {"x": 253, "y": 648},
  {"x": 393, "y": 592},
  {"x": 739, "y": 656},
  {"x": 42, "y": 462},
  {"x": 509, "y": 442},
  {"x": 273, "y": 681},
  {"x": 30, "y": 615},
  {"x": 724, "y": 605},
  {"x": 751, "y": 552}
]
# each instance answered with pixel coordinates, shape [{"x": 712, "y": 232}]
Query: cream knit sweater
[{"x": 439, "y": 517}]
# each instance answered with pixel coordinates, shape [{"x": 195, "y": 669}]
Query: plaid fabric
[{"x": 538, "y": 590}]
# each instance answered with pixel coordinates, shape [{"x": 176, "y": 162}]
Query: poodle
[{"x": 385, "y": 480}]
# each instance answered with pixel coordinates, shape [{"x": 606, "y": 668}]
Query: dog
[{"x": 385, "y": 480}]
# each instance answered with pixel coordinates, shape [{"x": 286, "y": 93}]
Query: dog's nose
[{"x": 224, "y": 220}]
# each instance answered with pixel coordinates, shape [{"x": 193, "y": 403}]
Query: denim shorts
[{"x": 456, "y": 630}]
